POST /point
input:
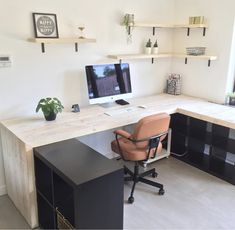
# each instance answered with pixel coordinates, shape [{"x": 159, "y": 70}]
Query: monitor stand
[
  {"x": 107, "y": 105},
  {"x": 112, "y": 104},
  {"x": 122, "y": 102}
]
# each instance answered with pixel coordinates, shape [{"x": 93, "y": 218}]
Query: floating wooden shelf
[
  {"x": 191, "y": 26},
  {"x": 139, "y": 56},
  {"x": 205, "y": 57},
  {"x": 76, "y": 41},
  {"x": 157, "y": 25},
  {"x": 151, "y": 25},
  {"x": 121, "y": 57},
  {"x": 171, "y": 26}
]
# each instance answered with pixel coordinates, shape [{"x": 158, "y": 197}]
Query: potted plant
[
  {"x": 148, "y": 47},
  {"x": 232, "y": 98},
  {"x": 50, "y": 107},
  {"x": 155, "y": 48},
  {"x": 128, "y": 22}
]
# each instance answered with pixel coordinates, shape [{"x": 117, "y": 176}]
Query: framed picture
[{"x": 45, "y": 25}]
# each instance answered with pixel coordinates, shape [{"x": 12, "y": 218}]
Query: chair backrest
[{"x": 151, "y": 126}]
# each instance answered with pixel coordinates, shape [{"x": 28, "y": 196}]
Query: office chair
[{"x": 143, "y": 144}]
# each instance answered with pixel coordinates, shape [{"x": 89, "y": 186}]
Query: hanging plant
[{"x": 128, "y": 22}]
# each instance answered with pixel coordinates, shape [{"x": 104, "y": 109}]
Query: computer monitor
[{"x": 108, "y": 82}]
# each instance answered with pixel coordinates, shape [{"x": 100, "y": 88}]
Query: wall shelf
[
  {"x": 171, "y": 26},
  {"x": 121, "y": 57},
  {"x": 76, "y": 41}
]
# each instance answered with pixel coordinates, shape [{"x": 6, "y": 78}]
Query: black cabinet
[
  {"x": 204, "y": 145},
  {"x": 77, "y": 187}
]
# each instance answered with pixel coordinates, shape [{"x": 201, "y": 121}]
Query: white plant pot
[
  {"x": 155, "y": 50},
  {"x": 147, "y": 50}
]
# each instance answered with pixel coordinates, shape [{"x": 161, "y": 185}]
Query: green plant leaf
[
  {"x": 49, "y": 105},
  {"x": 38, "y": 107},
  {"x": 149, "y": 43}
]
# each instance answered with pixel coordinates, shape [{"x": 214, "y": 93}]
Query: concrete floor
[
  {"x": 10, "y": 218},
  {"x": 193, "y": 200}
]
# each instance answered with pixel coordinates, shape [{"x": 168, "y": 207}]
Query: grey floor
[{"x": 193, "y": 200}]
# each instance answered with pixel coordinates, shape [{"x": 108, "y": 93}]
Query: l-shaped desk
[{"x": 20, "y": 136}]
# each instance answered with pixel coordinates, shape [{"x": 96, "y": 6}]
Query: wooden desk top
[{"x": 34, "y": 131}]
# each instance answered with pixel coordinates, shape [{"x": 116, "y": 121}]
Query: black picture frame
[{"x": 45, "y": 25}]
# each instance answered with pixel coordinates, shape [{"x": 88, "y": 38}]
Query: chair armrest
[{"x": 123, "y": 133}]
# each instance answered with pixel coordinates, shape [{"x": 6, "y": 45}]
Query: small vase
[
  {"x": 50, "y": 117},
  {"x": 147, "y": 50},
  {"x": 155, "y": 50}
]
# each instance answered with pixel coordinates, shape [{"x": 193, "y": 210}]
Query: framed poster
[{"x": 45, "y": 25}]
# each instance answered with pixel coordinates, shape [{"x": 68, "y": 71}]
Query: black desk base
[
  {"x": 204, "y": 145},
  {"x": 77, "y": 187}
]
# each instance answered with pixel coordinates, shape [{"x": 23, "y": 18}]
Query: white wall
[
  {"x": 199, "y": 80},
  {"x": 60, "y": 71}
]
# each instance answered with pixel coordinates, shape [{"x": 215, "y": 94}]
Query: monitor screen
[{"x": 108, "y": 82}]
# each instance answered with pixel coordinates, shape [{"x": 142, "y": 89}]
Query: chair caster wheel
[
  {"x": 154, "y": 174},
  {"x": 131, "y": 199},
  {"x": 161, "y": 191}
]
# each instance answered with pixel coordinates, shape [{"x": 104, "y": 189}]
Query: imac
[{"x": 108, "y": 82}]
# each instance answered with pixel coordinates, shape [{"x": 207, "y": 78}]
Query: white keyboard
[{"x": 121, "y": 111}]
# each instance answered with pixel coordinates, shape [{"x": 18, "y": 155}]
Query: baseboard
[{"x": 3, "y": 190}]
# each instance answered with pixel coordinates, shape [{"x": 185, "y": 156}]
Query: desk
[{"x": 20, "y": 136}]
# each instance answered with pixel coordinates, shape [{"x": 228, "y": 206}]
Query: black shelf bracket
[
  {"x": 152, "y": 60},
  {"x": 204, "y": 31},
  {"x": 188, "y": 31},
  {"x": 186, "y": 61},
  {"x": 153, "y": 31},
  {"x": 76, "y": 47},
  {"x": 43, "y": 47},
  {"x": 129, "y": 30},
  {"x": 209, "y": 63}
]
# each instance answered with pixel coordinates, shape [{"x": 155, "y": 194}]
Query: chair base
[{"x": 139, "y": 177}]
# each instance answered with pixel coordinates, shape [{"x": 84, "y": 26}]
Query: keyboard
[{"x": 117, "y": 112}]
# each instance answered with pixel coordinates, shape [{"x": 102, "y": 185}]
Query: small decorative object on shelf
[
  {"x": 50, "y": 107},
  {"x": 45, "y": 25},
  {"x": 155, "y": 48},
  {"x": 196, "y": 20},
  {"x": 81, "y": 28},
  {"x": 148, "y": 47},
  {"x": 174, "y": 84},
  {"x": 128, "y": 22},
  {"x": 232, "y": 99},
  {"x": 196, "y": 51}
]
